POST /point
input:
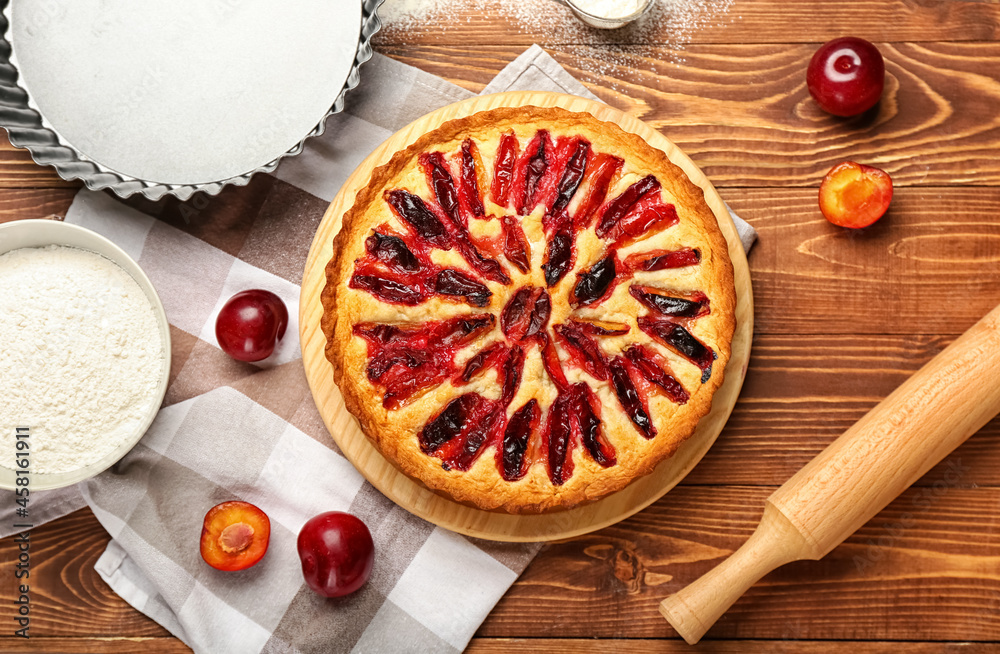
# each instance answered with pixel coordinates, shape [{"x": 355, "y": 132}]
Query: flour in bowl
[{"x": 81, "y": 356}]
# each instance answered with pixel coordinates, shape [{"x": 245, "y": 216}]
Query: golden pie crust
[{"x": 394, "y": 432}]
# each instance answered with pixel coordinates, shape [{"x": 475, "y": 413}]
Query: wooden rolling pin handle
[
  {"x": 897, "y": 442},
  {"x": 696, "y": 608}
]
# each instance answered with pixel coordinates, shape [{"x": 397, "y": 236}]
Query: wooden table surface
[{"x": 842, "y": 318}]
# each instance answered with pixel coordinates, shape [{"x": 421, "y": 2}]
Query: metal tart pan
[{"x": 27, "y": 129}]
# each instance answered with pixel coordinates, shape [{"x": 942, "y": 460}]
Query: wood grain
[
  {"x": 802, "y": 392},
  {"x": 930, "y": 266},
  {"x": 495, "y": 525},
  {"x": 842, "y": 319},
  {"x": 530, "y": 645},
  {"x": 743, "y": 112},
  {"x": 656, "y": 646},
  {"x": 548, "y": 22},
  {"x": 68, "y": 598},
  {"x": 110, "y": 645},
  {"x": 925, "y": 568},
  {"x": 20, "y": 203},
  {"x": 18, "y": 170}
]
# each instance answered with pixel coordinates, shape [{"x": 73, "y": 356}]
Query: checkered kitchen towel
[{"x": 230, "y": 430}]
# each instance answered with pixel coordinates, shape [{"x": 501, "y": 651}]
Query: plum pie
[{"x": 528, "y": 308}]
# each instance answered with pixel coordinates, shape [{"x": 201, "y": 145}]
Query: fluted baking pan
[{"x": 28, "y": 129}]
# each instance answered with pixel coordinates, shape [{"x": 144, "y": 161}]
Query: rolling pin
[{"x": 893, "y": 445}]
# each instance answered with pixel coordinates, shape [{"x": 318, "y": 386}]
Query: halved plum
[
  {"x": 234, "y": 535},
  {"x": 854, "y": 195}
]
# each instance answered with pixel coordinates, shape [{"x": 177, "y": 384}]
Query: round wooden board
[{"x": 414, "y": 497}]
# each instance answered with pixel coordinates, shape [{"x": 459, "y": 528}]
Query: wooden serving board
[{"x": 414, "y": 497}]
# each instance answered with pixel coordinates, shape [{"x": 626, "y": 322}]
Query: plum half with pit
[
  {"x": 234, "y": 536},
  {"x": 855, "y": 195},
  {"x": 846, "y": 76}
]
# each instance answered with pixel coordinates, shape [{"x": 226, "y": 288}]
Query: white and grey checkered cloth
[{"x": 230, "y": 430}]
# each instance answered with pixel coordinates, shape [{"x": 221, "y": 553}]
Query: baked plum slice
[
  {"x": 503, "y": 168},
  {"x": 676, "y": 337},
  {"x": 441, "y": 182},
  {"x": 415, "y": 212},
  {"x": 596, "y": 182},
  {"x": 571, "y": 177},
  {"x": 636, "y": 212},
  {"x": 515, "y": 244},
  {"x": 532, "y": 168},
  {"x": 459, "y": 433},
  {"x": 634, "y": 404},
  {"x": 516, "y": 436},
  {"x": 584, "y": 352},
  {"x": 427, "y": 222},
  {"x": 468, "y": 424},
  {"x": 472, "y": 177},
  {"x": 448, "y": 424},
  {"x": 456, "y": 283},
  {"x": 672, "y": 304},
  {"x": 621, "y": 206},
  {"x": 525, "y": 316},
  {"x": 662, "y": 260},
  {"x": 409, "y": 358},
  {"x": 588, "y": 412},
  {"x": 390, "y": 290},
  {"x": 595, "y": 285},
  {"x": 656, "y": 370},
  {"x": 553, "y": 368},
  {"x": 482, "y": 361},
  {"x": 600, "y": 327},
  {"x": 392, "y": 251},
  {"x": 558, "y": 439},
  {"x": 575, "y": 417},
  {"x": 559, "y": 254}
]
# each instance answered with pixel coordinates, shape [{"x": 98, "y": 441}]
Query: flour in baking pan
[
  {"x": 81, "y": 356},
  {"x": 186, "y": 91}
]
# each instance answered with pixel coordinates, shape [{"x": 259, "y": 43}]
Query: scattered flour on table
[
  {"x": 81, "y": 356},
  {"x": 669, "y": 24}
]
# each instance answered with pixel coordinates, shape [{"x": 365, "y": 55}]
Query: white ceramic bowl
[{"x": 40, "y": 233}]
